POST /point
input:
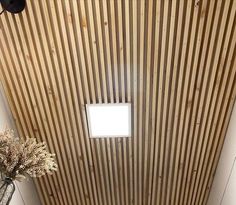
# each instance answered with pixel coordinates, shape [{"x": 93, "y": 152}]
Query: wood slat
[{"x": 174, "y": 61}]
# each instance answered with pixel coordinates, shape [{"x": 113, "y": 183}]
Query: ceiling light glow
[{"x": 109, "y": 120}]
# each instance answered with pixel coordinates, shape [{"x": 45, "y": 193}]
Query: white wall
[
  {"x": 25, "y": 193},
  {"x": 223, "y": 191}
]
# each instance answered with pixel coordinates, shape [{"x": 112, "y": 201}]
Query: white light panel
[{"x": 109, "y": 120}]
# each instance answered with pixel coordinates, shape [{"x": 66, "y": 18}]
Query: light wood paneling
[{"x": 175, "y": 61}]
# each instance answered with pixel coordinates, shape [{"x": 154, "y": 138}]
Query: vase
[{"x": 7, "y": 189}]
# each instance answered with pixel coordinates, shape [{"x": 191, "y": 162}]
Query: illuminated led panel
[{"x": 109, "y": 120}]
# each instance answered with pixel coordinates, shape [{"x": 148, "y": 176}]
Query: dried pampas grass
[{"x": 19, "y": 158}]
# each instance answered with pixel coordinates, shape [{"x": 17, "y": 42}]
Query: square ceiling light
[{"x": 109, "y": 120}]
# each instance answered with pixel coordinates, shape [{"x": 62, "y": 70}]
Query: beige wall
[
  {"x": 223, "y": 191},
  {"x": 25, "y": 193}
]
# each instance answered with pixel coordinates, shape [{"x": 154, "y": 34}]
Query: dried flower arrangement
[{"x": 19, "y": 158}]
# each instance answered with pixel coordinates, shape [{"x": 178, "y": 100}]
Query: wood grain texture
[{"x": 175, "y": 61}]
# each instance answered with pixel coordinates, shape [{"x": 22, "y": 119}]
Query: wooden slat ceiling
[{"x": 175, "y": 61}]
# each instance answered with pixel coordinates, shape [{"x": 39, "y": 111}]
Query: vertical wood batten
[
  {"x": 216, "y": 99},
  {"x": 204, "y": 79},
  {"x": 174, "y": 61},
  {"x": 35, "y": 129}
]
